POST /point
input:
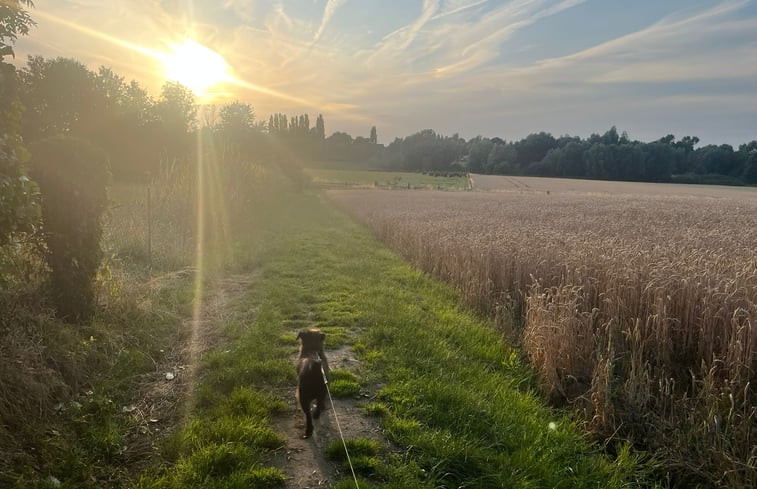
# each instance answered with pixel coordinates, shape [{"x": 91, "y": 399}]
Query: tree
[
  {"x": 478, "y": 153},
  {"x": 715, "y": 159},
  {"x": 501, "y": 159},
  {"x": 534, "y": 148},
  {"x": 18, "y": 194},
  {"x": 177, "y": 107},
  {"x": 340, "y": 139},
  {"x": 320, "y": 128},
  {"x": 237, "y": 116},
  {"x": 748, "y": 153},
  {"x": 658, "y": 162},
  {"x": 61, "y": 97},
  {"x": 611, "y": 136},
  {"x": 374, "y": 137},
  {"x": 14, "y": 22},
  {"x": 566, "y": 161},
  {"x": 176, "y": 116},
  {"x": 236, "y": 128}
]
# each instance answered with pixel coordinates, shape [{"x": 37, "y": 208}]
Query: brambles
[{"x": 640, "y": 309}]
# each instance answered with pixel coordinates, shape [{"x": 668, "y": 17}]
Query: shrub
[
  {"x": 72, "y": 176},
  {"x": 18, "y": 209}
]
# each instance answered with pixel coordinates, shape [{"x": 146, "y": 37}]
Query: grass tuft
[
  {"x": 344, "y": 383},
  {"x": 377, "y": 409},
  {"x": 357, "y": 447}
]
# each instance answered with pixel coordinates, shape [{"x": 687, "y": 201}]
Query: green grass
[
  {"x": 363, "y": 455},
  {"x": 344, "y": 383},
  {"x": 455, "y": 402},
  {"x": 80, "y": 441},
  {"x": 455, "y": 398},
  {"x": 369, "y": 178}
]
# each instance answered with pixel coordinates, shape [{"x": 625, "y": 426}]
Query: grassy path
[{"x": 454, "y": 403}]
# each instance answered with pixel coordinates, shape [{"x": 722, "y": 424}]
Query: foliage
[
  {"x": 424, "y": 151},
  {"x": 609, "y": 156},
  {"x": 176, "y": 110},
  {"x": 236, "y": 117},
  {"x": 18, "y": 209},
  {"x": 64, "y": 97},
  {"x": 18, "y": 203},
  {"x": 72, "y": 176},
  {"x": 14, "y": 22},
  {"x": 60, "y": 98}
]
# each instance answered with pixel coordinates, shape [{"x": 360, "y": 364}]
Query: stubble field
[{"x": 636, "y": 303}]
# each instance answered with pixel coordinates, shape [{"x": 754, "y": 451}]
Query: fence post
[{"x": 149, "y": 227}]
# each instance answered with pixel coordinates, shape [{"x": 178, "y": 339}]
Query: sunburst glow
[{"x": 196, "y": 67}]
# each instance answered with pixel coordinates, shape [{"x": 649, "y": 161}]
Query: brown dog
[{"x": 311, "y": 385}]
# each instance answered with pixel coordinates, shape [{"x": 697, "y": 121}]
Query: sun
[{"x": 195, "y": 66}]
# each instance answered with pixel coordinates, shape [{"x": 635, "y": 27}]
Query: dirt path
[
  {"x": 303, "y": 460},
  {"x": 164, "y": 401},
  {"x": 166, "y": 394}
]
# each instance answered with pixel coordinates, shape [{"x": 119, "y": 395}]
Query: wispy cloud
[
  {"x": 683, "y": 46},
  {"x": 453, "y": 40},
  {"x": 456, "y": 9},
  {"x": 409, "y": 63},
  {"x": 328, "y": 12},
  {"x": 396, "y": 42}
]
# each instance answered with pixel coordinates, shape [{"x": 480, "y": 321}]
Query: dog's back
[
  {"x": 312, "y": 367},
  {"x": 310, "y": 377}
]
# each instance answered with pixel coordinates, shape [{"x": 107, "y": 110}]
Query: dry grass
[{"x": 639, "y": 308}]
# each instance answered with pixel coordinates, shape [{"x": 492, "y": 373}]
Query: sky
[{"x": 472, "y": 67}]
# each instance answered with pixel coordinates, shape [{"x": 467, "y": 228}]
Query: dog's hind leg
[
  {"x": 308, "y": 418},
  {"x": 320, "y": 406}
]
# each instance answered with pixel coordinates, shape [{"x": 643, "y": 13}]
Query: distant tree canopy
[
  {"x": 138, "y": 132},
  {"x": 425, "y": 151},
  {"x": 608, "y": 156}
]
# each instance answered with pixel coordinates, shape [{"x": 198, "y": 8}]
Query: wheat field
[{"x": 639, "y": 301}]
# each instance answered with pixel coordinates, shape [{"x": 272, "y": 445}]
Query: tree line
[
  {"x": 609, "y": 156},
  {"x": 613, "y": 156}
]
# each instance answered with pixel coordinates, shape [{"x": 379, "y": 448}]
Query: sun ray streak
[
  {"x": 197, "y": 303},
  {"x": 102, "y": 36}
]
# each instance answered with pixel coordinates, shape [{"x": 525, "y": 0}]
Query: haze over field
[{"x": 470, "y": 66}]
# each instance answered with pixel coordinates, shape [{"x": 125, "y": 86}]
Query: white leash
[{"x": 341, "y": 435}]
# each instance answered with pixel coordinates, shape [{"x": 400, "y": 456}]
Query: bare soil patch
[{"x": 303, "y": 460}]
